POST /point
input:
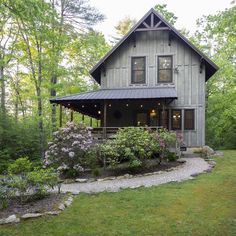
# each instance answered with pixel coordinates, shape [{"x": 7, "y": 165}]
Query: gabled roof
[
  {"x": 154, "y": 21},
  {"x": 124, "y": 93}
]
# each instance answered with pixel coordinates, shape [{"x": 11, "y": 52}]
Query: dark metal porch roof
[{"x": 123, "y": 93}]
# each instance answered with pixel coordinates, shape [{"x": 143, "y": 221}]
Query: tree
[
  {"x": 169, "y": 16},
  {"x": 217, "y": 34},
  {"x": 123, "y": 27},
  {"x": 71, "y": 15}
]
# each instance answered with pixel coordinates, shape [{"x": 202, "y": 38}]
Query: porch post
[
  {"x": 91, "y": 122},
  {"x": 71, "y": 116},
  {"x": 83, "y": 118},
  {"x": 104, "y": 119},
  {"x": 60, "y": 116}
]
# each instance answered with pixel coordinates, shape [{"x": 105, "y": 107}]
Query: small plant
[
  {"x": 27, "y": 181},
  {"x": 5, "y": 194}
]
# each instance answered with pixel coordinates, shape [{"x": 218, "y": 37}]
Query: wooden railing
[{"x": 107, "y": 132}]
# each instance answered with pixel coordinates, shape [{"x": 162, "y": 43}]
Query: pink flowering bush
[{"x": 68, "y": 149}]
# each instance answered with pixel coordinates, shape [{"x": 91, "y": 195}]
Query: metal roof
[
  {"x": 211, "y": 67},
  {"x": 123, "y": 93}
]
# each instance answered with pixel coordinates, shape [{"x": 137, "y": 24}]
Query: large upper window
[
  {"x": 176, "y": 119},
  {"x": 189, "y": 119},
  {"x": 138, "y": 70},
  {"x": 164, "y": 69}
]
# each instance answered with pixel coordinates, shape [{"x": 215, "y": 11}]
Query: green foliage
[
  {"x": 132, "y": 144},
  {"x": 217, "y": 32},
  {"x": 27, "y": 182},
  {"x": 21, "y": 166},
  {"x": 18, "y": 139},
  {"x": 167, "y": 15}
]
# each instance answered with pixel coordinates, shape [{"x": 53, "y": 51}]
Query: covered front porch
[{"x": 115, "y": 108}]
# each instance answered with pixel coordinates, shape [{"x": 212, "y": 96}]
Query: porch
[{"x": 116, "y": 108}]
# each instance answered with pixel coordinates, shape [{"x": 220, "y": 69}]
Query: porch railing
[{"x": 107, "y": 132}]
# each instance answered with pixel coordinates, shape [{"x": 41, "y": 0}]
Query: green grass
[{"x": 203, "y": 206}]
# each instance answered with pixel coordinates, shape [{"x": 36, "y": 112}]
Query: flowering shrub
[
  {"x": 132, "y": 144},
  {"x": 135, "y": 144},
  {"x": 68, "y": 149}
]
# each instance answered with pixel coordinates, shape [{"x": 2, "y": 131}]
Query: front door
[{"x": 141, "y": 119}]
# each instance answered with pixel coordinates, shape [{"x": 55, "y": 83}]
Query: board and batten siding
[{"x": 188, "y": 81}]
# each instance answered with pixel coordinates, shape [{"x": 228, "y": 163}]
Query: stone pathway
[{"x": 192, "y": 167}]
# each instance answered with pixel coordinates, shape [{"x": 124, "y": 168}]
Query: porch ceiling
[{"x": 92, "y": 103}]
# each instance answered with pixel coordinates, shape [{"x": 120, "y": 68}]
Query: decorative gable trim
[{"x": 152, "y": 21}]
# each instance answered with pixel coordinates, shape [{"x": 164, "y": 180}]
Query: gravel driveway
[{"x": 192, "y": 166}]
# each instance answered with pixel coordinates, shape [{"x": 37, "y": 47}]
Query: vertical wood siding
[{"x": 189, "y": 82}]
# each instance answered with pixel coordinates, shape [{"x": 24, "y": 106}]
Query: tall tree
[
  {"x": 72, "y": 15},
  {"x": 8, "y": 36},
  {"x": 168, "y": 15},
  {"x": 122, "y": 28},
  {"x": 217, "y": 34}
]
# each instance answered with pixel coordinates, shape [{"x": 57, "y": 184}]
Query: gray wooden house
[{"x": 152, "y": 77}]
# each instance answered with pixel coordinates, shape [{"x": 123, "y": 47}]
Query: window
[
  {"x": 138, "y": 70},
  {"x": 164, "y": 69},
  {"x": 176, "y": 119},
  {"x": 189, "y": 119}
]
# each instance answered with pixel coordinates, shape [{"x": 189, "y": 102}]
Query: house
[{"x": 152, "y": 77}]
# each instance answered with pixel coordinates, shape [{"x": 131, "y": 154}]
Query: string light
[
  {"x": 99, "y": 112},
  {"x": 82, "y": 106},
  {"x": 127, "y": 104}
]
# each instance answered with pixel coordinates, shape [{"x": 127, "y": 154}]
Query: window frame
[
  {"x": 193, "y": 121},
  {"x": 158, "y": 70},
  {"x": 132, "y": 70},
  {"x": 172, "y": 111}
]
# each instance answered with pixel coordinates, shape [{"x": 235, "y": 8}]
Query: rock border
[
  {"x": 125, "y": 176},
  {"x": 13, "y": 219}
]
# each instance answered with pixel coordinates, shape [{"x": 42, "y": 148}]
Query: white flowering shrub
[{"x": 68, "y": 148}]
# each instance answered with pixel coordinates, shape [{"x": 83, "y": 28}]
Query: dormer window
[
  {"x": 165, "y": 69},
  {"x": 138, "y": 74}
]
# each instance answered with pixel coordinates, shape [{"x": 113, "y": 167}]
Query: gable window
[
  {"x": 164, "y": 69},
  {"x": 176, "y": 119},
  {"x": 138, "y": 70},
  {"x": 189, "y": 119}
]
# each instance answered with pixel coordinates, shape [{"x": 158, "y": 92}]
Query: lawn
[{"x": 203, "y": 206}]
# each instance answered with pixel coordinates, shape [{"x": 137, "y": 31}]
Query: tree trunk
[
  {"x": 53, "y": 94},
  {"x": 3, "y": 92},
  {"x": 40, "y": 122}
]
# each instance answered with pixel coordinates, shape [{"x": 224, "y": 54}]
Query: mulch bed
[
  {"x": 121, "y": 169},
  {"x": 49, "y": 203}
]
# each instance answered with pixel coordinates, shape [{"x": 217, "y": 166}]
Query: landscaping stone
[
  {"x": 10, "y": 219},
  {"x": 51, "y": 213},
  {"x": 81, "y": 180},
  {"x": 61, "y": 207},
  {"x": 31, "y": 215}
]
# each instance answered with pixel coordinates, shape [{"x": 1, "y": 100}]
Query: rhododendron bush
[{"x": 68, "y": 149}]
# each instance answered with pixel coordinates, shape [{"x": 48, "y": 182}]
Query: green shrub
[
  {"x": 132, "y": 144},
  {"x": 21, "y": 166},
  {"x": 5, "y": 194},
  {"x": 28, "y": 182},
  {"x": 171, "y": 156}
]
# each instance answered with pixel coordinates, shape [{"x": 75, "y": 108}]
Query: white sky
[{"x": 187, "y": 11}]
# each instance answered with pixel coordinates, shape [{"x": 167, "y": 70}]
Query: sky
[{"x": 187, "y": 11}]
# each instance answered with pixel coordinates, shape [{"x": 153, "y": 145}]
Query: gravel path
[{"x": 192, "y": 166}]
